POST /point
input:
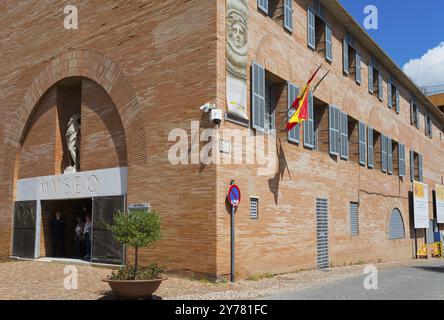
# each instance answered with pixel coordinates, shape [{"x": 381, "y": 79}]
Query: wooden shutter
[
  {"x": 311, "y": 29},
  {"x": 344, "y": 135},
  {"x": 334, "y": 123},
  {"x": 417, "y": 116},
  {"x": 401, "y": 160},
  {"x": 398, "y": 106},
  {"x": 384, "y": 161},
  {"x": 358, "y": 69},
  {"x": 420, "y": 169},
  {"x": 380, "y": 92},
  {"x": 288, "y": 15},
  {"x": 412, "y": 112},
  {"x": 389, "y": 156},
  {"x": 293, "y": 134},
  {"x": 412, "y": 165},
  {"x": 328, "y": 43},
  {"x": 389, "y": 94},
  {"x": 345, "y": 56},
  {"x": 258, "y": 96},
  {"x": 362, "y": 145},
  {"x": 309, "y": 124},
  {"x": 263, "y": 5},
  {"x": 371, "y": 155},
  {"x": 370, "y": 79}
]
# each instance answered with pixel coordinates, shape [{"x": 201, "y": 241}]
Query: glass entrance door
[
  {"x": 24, "y": 229},
  {"x": 105, "y": 249}
]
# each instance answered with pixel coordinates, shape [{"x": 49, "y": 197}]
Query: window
[
  {"x": 416, "y": 169},
  {"x": 401, "y": 160},
  {"x": 320, "y": 125},
  {"x": 375, "y": 80},
  {"x": 362, "y": 144},
  {"x": 393, "y": 97},
  {"x": 370, "y": 148},
  {"x": 396, "y": 226},
  {"x": 354, "y": 140},
  {"x": 351, "y": 59},
  {"x": 354, "y": 218},
  {"x": 319, "y": 35},
  {"x": 428, "y": 126},
  {"x": 254, "y": 208},
  {"x": 267, "y": 94},
  {"x": 414, "y": 113},
  {"x": 334, "y": 121},
  {"x": 293, "y": 92},
  {"x": 278, "y": 10}
]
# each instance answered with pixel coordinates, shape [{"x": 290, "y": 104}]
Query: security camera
[
  {"x": 207, "y": 107},
  {"x": 216, "y": 116}
]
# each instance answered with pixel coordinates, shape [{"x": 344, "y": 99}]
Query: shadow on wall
[{"x": 273, "y": 183}]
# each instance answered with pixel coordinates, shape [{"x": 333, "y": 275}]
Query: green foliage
[
  {"x": 137, "y": 229},
  {"x": 153, "y": 272}
]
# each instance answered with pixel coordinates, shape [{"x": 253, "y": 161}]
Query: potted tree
[{"x": 136, "y": 229}]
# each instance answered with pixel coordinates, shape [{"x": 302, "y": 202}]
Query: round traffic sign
[{"x": 234, "y": 195}]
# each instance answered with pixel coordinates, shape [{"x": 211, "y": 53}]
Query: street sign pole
[
  {"x": 233, "y": 247},
  {"x": 234, "y": 197}
]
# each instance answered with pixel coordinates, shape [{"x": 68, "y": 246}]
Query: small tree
[{"x": 137, "y": 229}]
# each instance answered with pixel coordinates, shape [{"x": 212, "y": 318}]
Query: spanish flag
[{"x": 299, "y": 109}]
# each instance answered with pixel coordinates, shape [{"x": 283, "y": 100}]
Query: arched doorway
[{"x": 72, "y": 164}]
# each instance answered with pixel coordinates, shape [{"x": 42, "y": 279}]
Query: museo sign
[{"x": 76, "y": 185}]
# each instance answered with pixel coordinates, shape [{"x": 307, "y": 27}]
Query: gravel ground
[{"x": 27, "y": 280}]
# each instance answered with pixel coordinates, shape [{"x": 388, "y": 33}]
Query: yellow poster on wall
[
  {"x": 439, "y": 202},
  {"x": 421, "y": 205}
]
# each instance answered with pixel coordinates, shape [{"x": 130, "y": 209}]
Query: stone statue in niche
[
  {"x": 73, "y": 141},
  {"x": 237, "y": 48}
]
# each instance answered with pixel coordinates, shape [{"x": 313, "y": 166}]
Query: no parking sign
[{"x": 234, "y": 195}]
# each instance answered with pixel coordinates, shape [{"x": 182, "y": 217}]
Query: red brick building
[{"x": 340, "y": 188}]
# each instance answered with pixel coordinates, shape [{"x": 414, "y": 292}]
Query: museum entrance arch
[{"x": 74, "y": 149}]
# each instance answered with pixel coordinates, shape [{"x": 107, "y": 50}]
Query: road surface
[{"x": 424, "y": 281}]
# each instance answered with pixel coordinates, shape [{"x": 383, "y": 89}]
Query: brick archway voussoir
[{"x": 105, "y": 72}]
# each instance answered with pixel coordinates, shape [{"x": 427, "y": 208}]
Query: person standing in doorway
[
  {"x": 78, "y": 237},
  {"x": 58, "y": 234},
  {"x": 87, "y": 232}
]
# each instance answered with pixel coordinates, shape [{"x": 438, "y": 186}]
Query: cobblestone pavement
[{"x": 43, "y": 280}]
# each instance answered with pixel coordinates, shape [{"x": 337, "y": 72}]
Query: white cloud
[{"x": 429, "y": 69}]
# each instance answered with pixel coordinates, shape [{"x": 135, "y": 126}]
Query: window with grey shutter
[
  {"x": 420, "y": 169},
  {"x": 417, "y": 116},
  {"x": 328, "y": 43},
  {"x": 390, "y": 155},
  {"x": 254, "y": 208},
  {"x": 412, "y": 112},
  {"x": 401, "y": 160},
  {"x": 384, "y": 161},
  {"x": 345, "y": 56},
  {"x": 396, "y": 226},
  {"x": 370, "y": 79},
  {"x": 398, "y": 105},
  {"x": 288, "y": 15},
  {"x": 334, "y": 134},
  {"x": 258, "y": 96},
  {"x": 311, "y": 29},
  {"x": 358, "y": 69},
  {"x": 354, "y": 218},
  {"x": 371, "y": 155},
  {"x": 344, "y": 135},
  {"x": 428, "y": 125},
  {"x": 380, "y": 92},
  {"x": 308, "y": 124},
  {"x": 389, "y": 94},
  {"x": 293, "y": 92},
  {"x": 263, "y": 5},
  {"x": 362, "y": 145},
  {"x": 412, "y": 165}
]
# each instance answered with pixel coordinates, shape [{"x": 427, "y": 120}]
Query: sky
[{"x": 411, "y": 32}]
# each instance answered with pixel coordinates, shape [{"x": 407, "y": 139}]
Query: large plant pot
[{"x": 134, "y": 289}]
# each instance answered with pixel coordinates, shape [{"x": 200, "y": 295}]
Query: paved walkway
[
  {"x": 424, "y": 281},
  {"x": 43, "y": 280}
]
